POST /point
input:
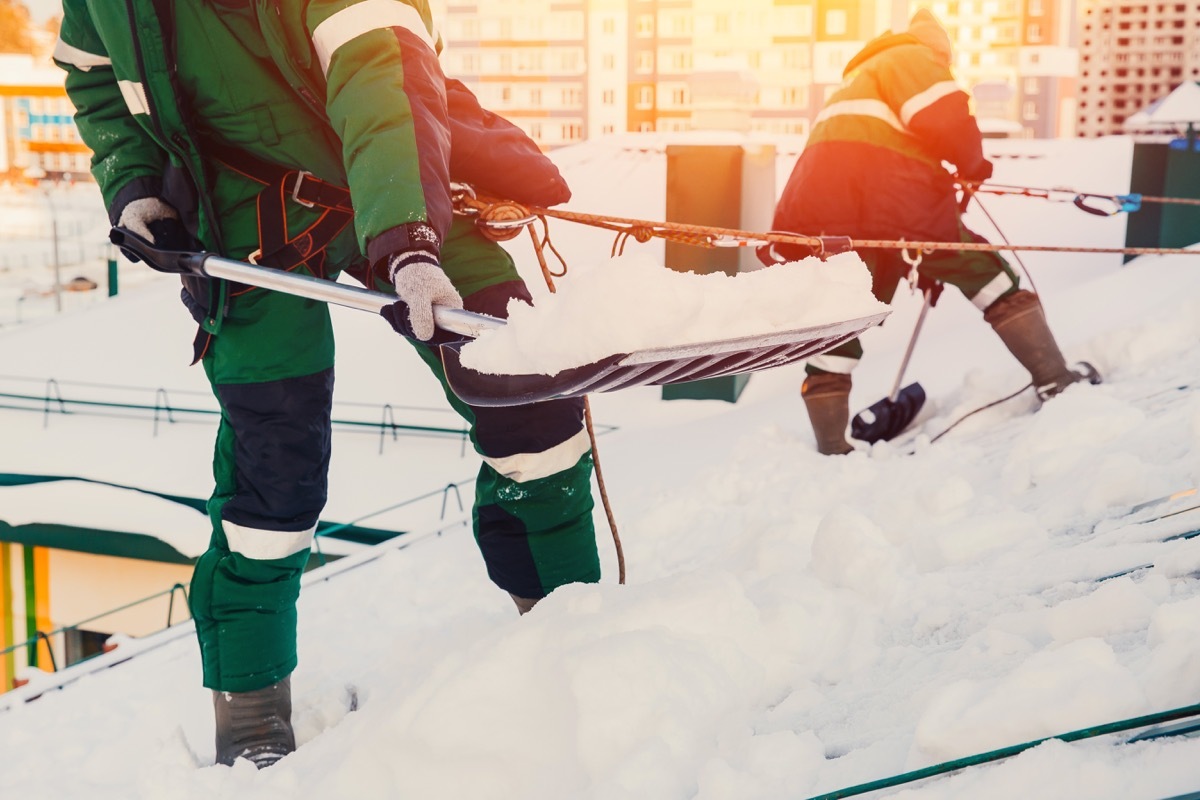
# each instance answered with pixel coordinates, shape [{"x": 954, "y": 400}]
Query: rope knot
[
  {"x": 641, "y": 233},
  {"x": 503, "y": 221}
]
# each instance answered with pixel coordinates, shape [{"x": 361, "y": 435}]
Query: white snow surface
[
  {"x": 792, "y": 624},
  {"x": 664, "y": 308}
]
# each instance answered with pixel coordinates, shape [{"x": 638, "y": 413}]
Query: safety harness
[{"x": 281, "y": 185}]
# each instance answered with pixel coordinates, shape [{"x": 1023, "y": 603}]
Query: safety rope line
[
  {"x": 1012, "y": 750},
  {"x": 484, "y": 208},
  {"x": 1048, "y": 194},
  {"x": 985, "y": 407}
]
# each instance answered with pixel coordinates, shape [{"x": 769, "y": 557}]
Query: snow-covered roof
[
  {"x": 793, "y": 623},
  {"x": 1179, "y": 108}
]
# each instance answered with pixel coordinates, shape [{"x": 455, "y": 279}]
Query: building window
[
  {"x": 608, "y": 61},
  {"x": 608, "y": 97},
  {"x": 607, "y": 129},
  {"x": 794, "y": 96},
  {"x": 1029, "y": 110},
  {"x": 1034, "y": 32},
  {"x": 1035, "y": 8},
  {"x": 1031, "y": 86},
  {"x": 835, "y": 22},
  {"x": 609, "y": 25},
  {"x": 645, "y": 25},
  {"x": 645, "y": 61},
  {"x": 645, "y": 97}
]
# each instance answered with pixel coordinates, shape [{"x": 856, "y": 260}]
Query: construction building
[{"x": 1132, "y": 53}]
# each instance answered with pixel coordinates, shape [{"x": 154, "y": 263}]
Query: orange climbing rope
[{"x": 496, "y": 214}]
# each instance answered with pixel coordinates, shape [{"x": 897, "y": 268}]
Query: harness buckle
[
  {"x": 254, "y": 257},
  {"x": 300, "y": 176}
]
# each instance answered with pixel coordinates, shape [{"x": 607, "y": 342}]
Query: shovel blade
[
  {"x": 888, "y": 418},
  {"x": 658, "y": 366}
]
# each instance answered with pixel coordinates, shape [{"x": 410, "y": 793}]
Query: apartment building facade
[
  {"x": 1133, "y": 52},
  {"x": 1019, "y": 61},
  {"x": 565, "y": 70},
  {"x": 38, "y": 137}
]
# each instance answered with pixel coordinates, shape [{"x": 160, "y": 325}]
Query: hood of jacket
[{"x": 923, "y": 29}]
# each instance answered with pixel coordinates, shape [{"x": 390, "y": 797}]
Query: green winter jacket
[{"x": 349, "y": 91}]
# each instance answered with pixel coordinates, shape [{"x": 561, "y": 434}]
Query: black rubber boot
[
  {"x": 1020, "y": 322},
  {"x": 827, "y": 397},
  {"x": 255, "y": 725}
]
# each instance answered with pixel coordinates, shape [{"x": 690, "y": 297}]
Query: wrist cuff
[
  {"x": 411, "y": 236},
  {"x": 401, "y": 260}
]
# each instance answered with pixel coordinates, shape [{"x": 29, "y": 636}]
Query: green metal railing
[
  {"x": 1012, "y": 750},
  {"x": 44, "y": 636},
  {"x": 54, "y": 403}
]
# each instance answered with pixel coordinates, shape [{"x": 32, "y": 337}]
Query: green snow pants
[
  {"x": 982, "y": 276},
  {"x": 271, "y": 368}
]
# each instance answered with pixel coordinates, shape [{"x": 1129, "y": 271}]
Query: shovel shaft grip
[{"x": 454, "y": 320}]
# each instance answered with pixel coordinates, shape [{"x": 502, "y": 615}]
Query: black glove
[
  {"x": 158, "y": 223},
  {"x": 977, "y": 173}
]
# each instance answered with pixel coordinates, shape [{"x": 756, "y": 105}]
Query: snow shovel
[
  {"x": 656, "y": 366},
  {"x": 888, "y": 418}
]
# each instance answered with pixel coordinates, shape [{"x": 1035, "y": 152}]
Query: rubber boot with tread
[
  {"x": 255, "y": 725},
  {"x": 827, "y": 397},
  {"x": 1020, "y": 322}
]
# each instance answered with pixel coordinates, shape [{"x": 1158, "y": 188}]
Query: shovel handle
[
  {"x": 912, "y": 343},
  {"x": 454, "y": 320}
]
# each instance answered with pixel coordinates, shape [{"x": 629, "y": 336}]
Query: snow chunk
[
  {"x": 632, "y": 303},
  {"x": 851, "y": 551},
  {"x": 1117, "y": 606},
  {"x": 1054, "y": 691}
]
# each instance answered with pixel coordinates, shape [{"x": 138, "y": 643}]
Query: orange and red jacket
[{"x": 872, "y": 167}]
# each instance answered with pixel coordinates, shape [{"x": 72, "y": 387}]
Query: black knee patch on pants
[
  {"x": 535, "y": 428},
  {"x": 282, "y": 440},
  {"x": 506, "y": 552}
]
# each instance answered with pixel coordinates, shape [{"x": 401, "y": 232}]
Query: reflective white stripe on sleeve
[
  {"x": 135, "y": 97},
  {"x": 923, "y": 100},
  {"x": 995, "y": 287},
  {"x": 525, "y": 467},
  {"x": 262, "y": 545},
  {"x": 80, "y": 59},
  {"x": 842, "y": 365},
  {"x": 369, "y": 15},
  {"x": 861, "y": 108}
]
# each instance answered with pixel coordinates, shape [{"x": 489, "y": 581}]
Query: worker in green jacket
[{"x": 315, "y": 136}]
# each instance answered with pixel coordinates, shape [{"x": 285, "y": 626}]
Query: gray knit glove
[{"x": 421, "y": 284}]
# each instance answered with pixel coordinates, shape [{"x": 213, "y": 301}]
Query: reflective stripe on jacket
[
  {"x": 872, "y": 167},
  {"x": 352, "y": 90}
]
